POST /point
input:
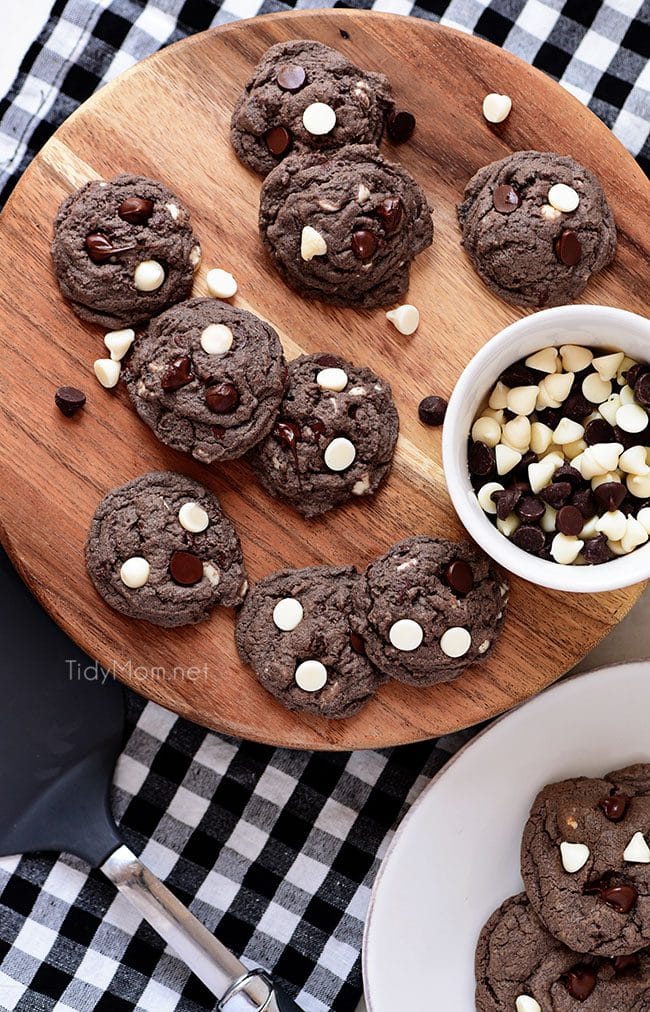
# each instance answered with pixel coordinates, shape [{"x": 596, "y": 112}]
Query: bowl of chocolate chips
[{"x": 546, "y": 448}]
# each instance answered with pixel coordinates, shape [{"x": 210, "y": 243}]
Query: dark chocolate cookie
[
  {"x": 304, "y": 96},
  {"x": 344, "y": 227},
  {"x": 208, "y": 379},
  {"x": 334, "y": 437},
  {"x": 585, "y": 861},
  {"x": 520, "y": 967},
  {"x": 294, "y": 631},
  {"x": 527, "y": 250},
  {"x": 161, "y": 549},
  {"x": 429, "y": 608},
  {"x": 123, "y": 251}
]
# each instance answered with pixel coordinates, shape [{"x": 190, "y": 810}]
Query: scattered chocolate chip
[
  {"x": 620, "y": 897},
  {"x": 100, "y": 248},
  {"x": 482, "y": 459},
  {"x": 615, "y": 806},
  {"x": 69, "y": 399},
  {"x": 626, "y": 964},
  {"x": 518, "y": 375},
  {"x": 557, "y": 494},
  {"x": 400, "y": 125},
  {"x": 218, "y": 431},
  {"x": 178, "y": 375},
  {"x": 222, "y": 398},
  {"x": 520, "y": 470},
  {"x": 364, "y": 244},
  {"x": 291, "y": 77},
  {"x": 390, "y": 212},
  {"x": 328, "y": 361},
  {"x": 576, "y": 406},
  {"x": 596, "y": 551},
  {"x": 628, "y": 439},
  {"x": 569, "y": 521},
  {"x": 358, "y": 644},
  {"x": 505, "y": 199},
  {"x": 530, "y": 539},
  {"x": 432, "y": 410},
  {"x": 610, "y": 495},
  {"x": 571, "y": 474},
  {"x": 567, "y": 248},
  {"x": 343, "y": 33},
  {"x": 584, "y": 500},
  {"x": 530, "y": 509},
  {"x": 287, "y": 432},
  {"x": 506, "y": 501},
  {"x": 459, "y": 576},
  {"x": 278, "y": 140},
  {"x": 550, "y": 417},
  {"x": 642, "y": 390},
  {"x": 599, "y": 431},
  {"x": 579, "y": 981},
  {"x": 136, "y": 210},
  {"x": 185, "y": 568}
]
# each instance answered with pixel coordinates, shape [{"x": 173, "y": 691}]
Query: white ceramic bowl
[{"x": 596, "y": 326}]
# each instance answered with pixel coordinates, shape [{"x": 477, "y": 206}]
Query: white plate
[{"x": 455, "y": 858}]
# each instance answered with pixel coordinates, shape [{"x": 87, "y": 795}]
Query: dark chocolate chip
[
  {"x": 642, "y": 390},
  {"x": 610, "y": 495},
  {"x": 518, "y": 375},
  {"x": 136, "y": 210},
  {"x": 222, "y": 398},
  {"x": 530, "y": 539},
  {"x": 628, "y": 439},
  {"x": 69, "y": 400},
  {"x": 186, "y": 568},
  {"x": 620, "y": 897},
  {"x": 364, "y": 244},
  {"x": 291, "y": 77},
  {"x": 343, "y": 33},
  {"x": 584, "y": 500},
  {"x": 571, "y": 474},
  {"x": 530, "y": 509},
  {"x": 579, "y": 981},
  {"x": 635, "y": 372},
  {"x": 596, "y": 551},
  {"x": 459, "y": 576},
  {"x": 482, "y": 460},
  {"x": 278, "y": 140},
  {"x": 520, "y": 470},
  {"x": 626, "y": 964},
  {"x": 615, "y": 806},
  {"x": 358, "y": 644},
  {"x": 432, "y": 410},
  {"x": 218, "y": 431},
  {"x": 100, "y": 248},
  {"x": 505, "y": 199},
  {"x": 599, "y": 431},
  {"x": 569, "y": 521},
  {"x": 390, "y": 212},
  {"x": 506, "y": 501},
  {"x": 557, "y": 494},
  {"x": 287, "y": 432},
  {"x": 550, "y": 417},
  {"x": 400, "y": 125},
  {"x": 576, "y": 407},
  {"x": 567, "y": 248},
  {"x": 178, "y": 375},
  {"x": 328, "y": 361}
]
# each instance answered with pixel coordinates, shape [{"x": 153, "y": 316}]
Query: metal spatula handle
[{"x": 212, "y": 962}]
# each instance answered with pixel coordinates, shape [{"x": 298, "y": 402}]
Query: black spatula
[{"x": 61, "y": 725}]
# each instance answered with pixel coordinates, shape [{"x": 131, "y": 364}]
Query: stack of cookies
[{"x": 579, "y": 936}]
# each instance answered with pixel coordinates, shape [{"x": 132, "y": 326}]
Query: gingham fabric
[{"x": 275, "y": 851}]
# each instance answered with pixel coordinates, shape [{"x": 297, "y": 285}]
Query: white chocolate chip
[
  {"x": 484, "y": 496},
  {"x": 484, "y": 647},
  {"x": 543, "y": 361},
  {"x": 633, "y": 461},
  {"x": 525, "y": 1003},
  {"x": 643, "y": 516},
  {"x": 405, "y": 319},
  {"x": 107, "y": 372},
  {"x": 595, "y": 389},
  {"x": 575, "y": 357},
  {"x": 565, "y": 549},
  {"x": 637, "y": 850},
  {"x": 547, "y": 523},
  {"x": 499, "y": 397},
  {"x": 312, "y": 243},
  {"x": 563, "y": 198},
  {"x": 574, "y": 856},
  {"x": 516, "y": 433},
  {"x": 509, "y": 525},
  {"x": 134, "y": 573},
  {"x": 608, "y": 365},
  {"x": 486, "y": 430},
  {"x": 541, "y": 473},
  {"x": 406, "y": 635},
  {"x": 635, "y": 535},
  {"x": 361, "y": 487},
  {"x": 522, "y": 400},
  {"x": 213, "y": 576},
  {"x": 217, "y": 339},
  {"x": 612, "y": 524},
  {"x": 506, "y": 458},
  {"x": 221, "y": 284},
  {"x": 572, "y": 450},
  {"x": 615, "y": 548},
  {"x": 148, "y": 276},
  {"x": 195, "y": 256},
  {"x": 541, "y": 437},
  {"x": 605, "y": 456},
  {"x": 288, "y": 614},
  {"x": 567, "y": 432},
  {"x": 638, "y": 485},
  {"x": 590, "y": 529},
  {"x": 558, "y": 386},
  {"x": 357, "y": 392},
  {"x": 550, "y": 213},
  {"x": 627, "y": 395},
  {"x": 311, "y": 676},
  {"x": 632, "y": 418},
  {"x": 602, "y": 479},
  {"x": 455, "y": 642},
  {"x": 193, "y": 517},
  {"x": 173, "y": 211},
  {"x": 332, "y": 379},
  {"x": 118, "y": 342},
  {"x": 319, "y": 119},
  {"x": 339, "y": 454},
  {"x": 496, "y": 108},
  {"x": 363, "y": 193},
  {"x": 609, "y": 408}
]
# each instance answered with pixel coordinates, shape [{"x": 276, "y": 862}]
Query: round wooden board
[{"x": 168, "y": 118}]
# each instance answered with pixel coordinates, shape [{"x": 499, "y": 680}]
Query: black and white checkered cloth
[{"x": 275, "y": 851}]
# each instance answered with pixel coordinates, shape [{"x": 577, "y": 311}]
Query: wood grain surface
[{"x": 168, "y": 118}]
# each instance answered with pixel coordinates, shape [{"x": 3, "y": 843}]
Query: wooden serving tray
[{"x": 168, "y": 118}]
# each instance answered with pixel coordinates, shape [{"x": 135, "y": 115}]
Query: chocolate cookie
[
  {"x": 520, "y": 967},
  {"x": 334, "y": 437},
  {"x": 294, "y": 631},
  {"x": 123, "y": 251},
  {"x": 304, "y": 96},
  {"x": 344, "y": 227},
  {"x": 428, "y": 609},
  {"x": 536, "y": 226},
  {"x": 207, "y": 379},
  {"x": 161, "y": 549},
  {"x": 585, "y": 861}
]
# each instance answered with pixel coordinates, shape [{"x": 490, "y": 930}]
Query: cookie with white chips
[
  {"x": 295, "y": 631},
  {"x": 429, "y": 608}
]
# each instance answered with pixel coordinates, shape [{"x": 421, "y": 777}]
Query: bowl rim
[{"x": 616, "y": 574}]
